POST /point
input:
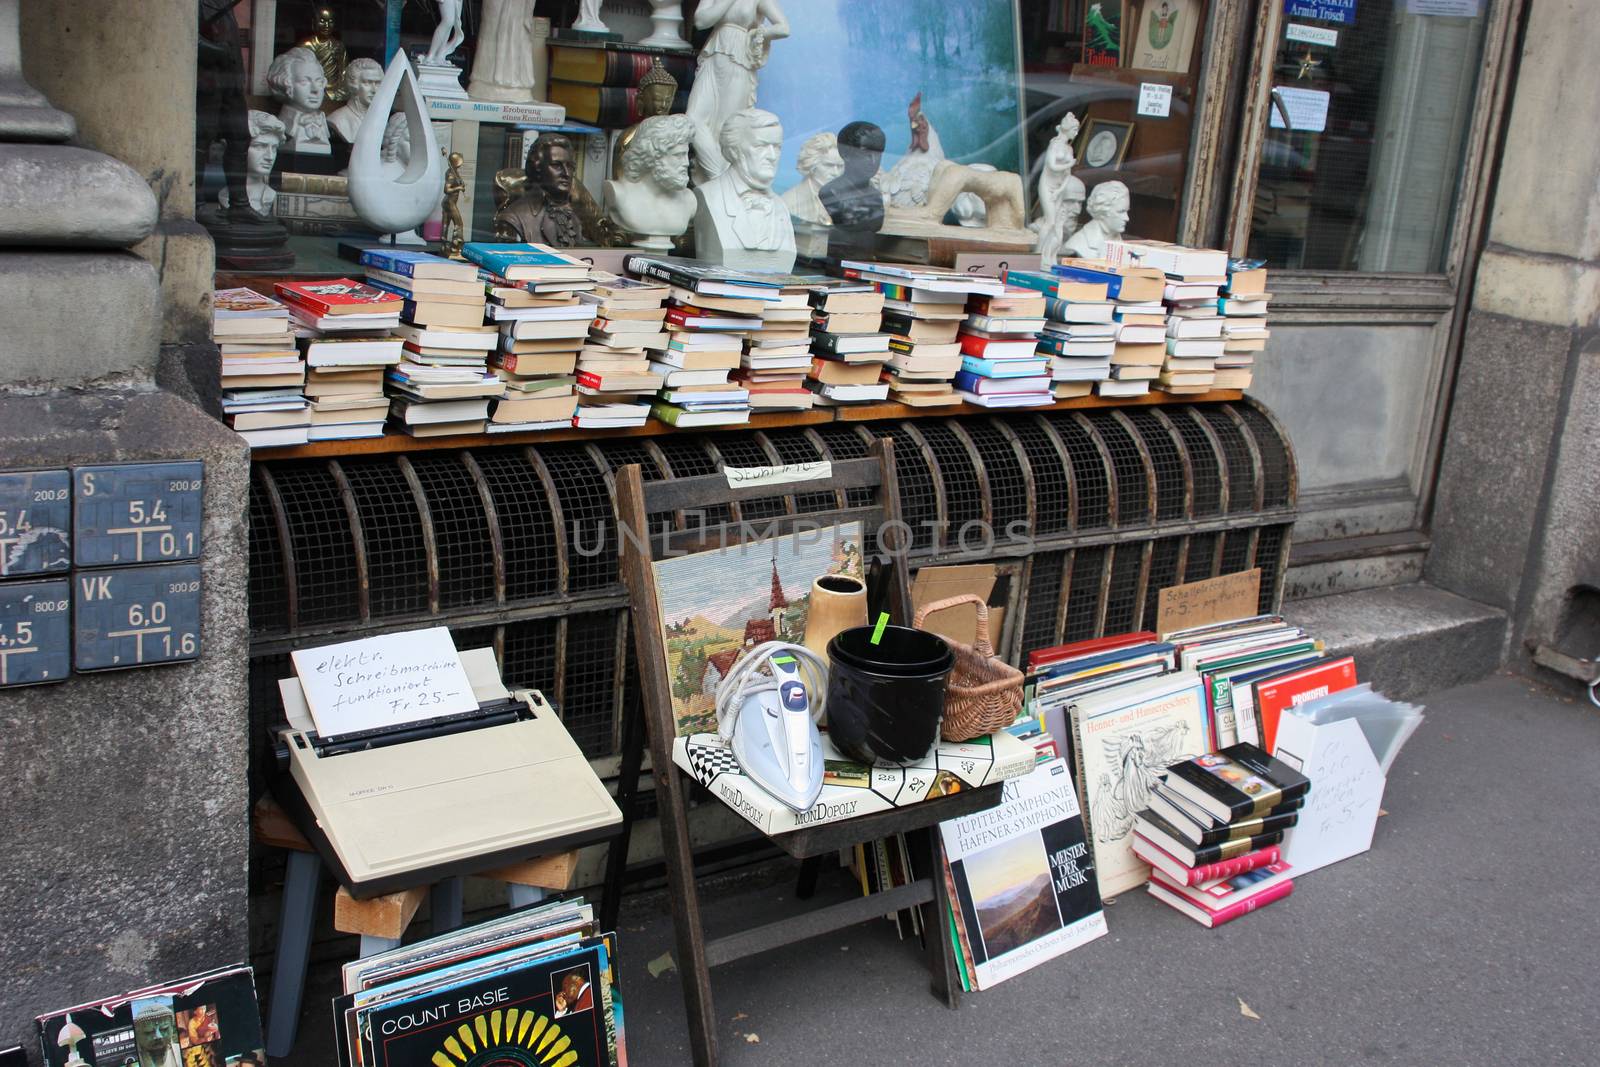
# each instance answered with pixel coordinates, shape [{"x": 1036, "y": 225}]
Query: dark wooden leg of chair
[
  {"x": 691, "y": 952},
  {"x": 627, "y": 794},
  {"x": 941, "y": 948},
  {"x": 806, "y": 885}
]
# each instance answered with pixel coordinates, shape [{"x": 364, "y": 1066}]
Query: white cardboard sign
[
  {"x": 1341, "y": 811},
  {"x": 1155, "y": 100},
  {"x": 1307, "y": 109},
  {"x": 380, "y": 682}
]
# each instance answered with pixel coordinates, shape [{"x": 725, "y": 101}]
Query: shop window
[{"x": 1370, "y": 110}]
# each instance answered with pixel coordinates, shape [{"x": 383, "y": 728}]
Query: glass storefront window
[{"x": 1371, "y": 104}]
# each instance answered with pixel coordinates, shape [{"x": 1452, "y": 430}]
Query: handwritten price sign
[{"x": 1231, "y": 596}]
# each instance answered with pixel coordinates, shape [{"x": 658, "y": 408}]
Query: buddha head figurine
[{"x": 657, "y": 90}]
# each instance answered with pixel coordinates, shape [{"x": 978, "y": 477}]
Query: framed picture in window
[
  {"x": 1103, "y": 144},
  {"x": 1105, "y": 32},
  {"x": 1164, "y": 39}
]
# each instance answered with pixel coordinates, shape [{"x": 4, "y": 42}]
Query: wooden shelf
[{"x": 777, "y": 420}]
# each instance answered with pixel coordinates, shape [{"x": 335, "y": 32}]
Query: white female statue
[
  {"x": 503, "y": 66},
  {"x": 589, "y": 20},
  {"x": 266, "y": 135},
  {"x": 1108, "y": 217},
  {"x": 742, "y": 32},
  {"x": 652, "y": 200},
  {"x": 447, "y": 36}
]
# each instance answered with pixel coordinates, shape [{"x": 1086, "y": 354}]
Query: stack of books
[
  {"x": 924, "y": 347},
  {"x": 848, "y": 352},
  {"x": 1002, "y": 370},
  {"x": 1078, "y": 336},
  {"x": 535, "y": 986},
  {"x": 1233, "y": 804},
  {"x": 1193, "y": 278},
  {"x": 1137, "y": 323},
  {"x": 1243, "y": 305},
  {"x": 346, "y": 330},
  {"x": 262, "y": 374},
  {"x": 1231, "y": 657}
]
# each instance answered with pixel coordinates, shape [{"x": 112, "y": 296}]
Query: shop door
[{"x": 1366, "y": 131}]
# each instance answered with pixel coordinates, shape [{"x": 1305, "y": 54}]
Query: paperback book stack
[
  {"x": 1136, "y": 323},
  {"x": 1078, "y": 336},
  {"x": 1243, "y": 304},
  {"x": 347, "y": 332},
  {"x": 1001, "y": 365},
  {"x": 1230, "y": 805},
  {"x": 262, "y": 374},
  {"x": 924, "y": 348},
  {"x": 712, "y": 314},
  {"x": 1193, "y": 280},
  {"x": 777, "y": 358},
  {"x": 849, "y": 350},
  {"x": 537, "y": 986}
]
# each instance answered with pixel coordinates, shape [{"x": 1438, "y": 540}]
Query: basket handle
[{"x": 982, "y": 644}]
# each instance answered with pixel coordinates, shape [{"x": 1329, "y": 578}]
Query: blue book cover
[
  {"x": 401, "y": 261},
  {"x": 1004, "y": 368},
  {"x": 502, "y": 257},
  {"x": 1112, "y": 279},
  {"x": 1027, "y": 279},
  {"x": 967, "y": 382}
]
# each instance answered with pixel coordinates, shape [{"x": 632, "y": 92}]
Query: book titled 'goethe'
[{"x": 1238, "y": 782}]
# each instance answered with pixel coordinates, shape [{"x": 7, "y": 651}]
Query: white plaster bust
[
  {"x": 652, "y": 200},
  {"x": 738, "y": 221},
  {"x": 361, "y": 80},
  {"x": 266, "y": 135},
  {"x": 1108, "y": 217},
  {"x": 297, "y": 81},
  {"x": 819, "y": 164}
]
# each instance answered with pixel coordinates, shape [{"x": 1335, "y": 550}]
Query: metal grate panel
[
  {"x": 527, "y": 528},
  {"x": 1050, "y": 476},
  {"x": 1089, "y": 471},
  {"x": 1127, "y": 463},
  {"x": 919, "y": 498},
  {"x": 588, "y": 690},
  {"x": 1277, "y": 468},
  {"x": 391, "y": 531},
  {"x": 466, "y": 571},
  {"x": 963, "y": 492},
  {"x": 1204, "y": 464},
  {"x": 1004, "y": 473},
  {"x": 1123, "y": 602},
  {"x": 588, "y": 518},
  {"x": 687, "y": 457},
  {"x": 269, "y": 595},
  {"x": 1083, "y": 594},
  {"x": 1270, "y": 545},
  {"x": 1163, "y": 572},
  {"x": 321, "y": 542},
  {"x": 1044, "y": 601},
  {"x": 793, "y": 446},
  {"x": 1237, "y": 457},
  {"x": 1235, "y": 551},
  {"x": 1202, "y": 557},
  {"x": 847, "y": 442},
  {"x": 1166, "y": 460},
  {"x": 746, "y": 451},
  {"x": 619, "y": 454}
]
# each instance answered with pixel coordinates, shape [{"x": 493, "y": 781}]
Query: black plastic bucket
[{"x": 886, "y": 701}]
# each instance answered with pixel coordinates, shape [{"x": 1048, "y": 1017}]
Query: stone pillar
[
  {"x": 1517, "y": 522},
  {"x": 127, "y": 73},
  {"x": 125, "y": 806}
]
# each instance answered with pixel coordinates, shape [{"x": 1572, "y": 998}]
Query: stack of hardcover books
[
  {"x": 1243, "y": 304},
  {"x": 1137, "y": 323},
  {"x": 536, "y": 986},
  {"x": 347, "y": 332},
  {"x": 1193, "y": 280},
  {"x": 1233, "y": 804},
  {"x": 848, "y": 353},
  {"x": 1001, "y": 370},
  {"x": 542, "y": 322},
  {"x": 772, "y": 368},
  {"x": 1078, "y": 336},
  {"x": 262, "y": 374}
]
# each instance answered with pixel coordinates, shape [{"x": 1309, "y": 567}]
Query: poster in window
[
  {"x": 1166, "y": 35},
  {"x": 1103, "y": 32}
]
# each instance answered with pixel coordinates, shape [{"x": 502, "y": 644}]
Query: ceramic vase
[{"x": 838, "y": 602}]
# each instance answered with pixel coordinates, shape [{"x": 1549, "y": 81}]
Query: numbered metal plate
[
  {"x": 35, "y": 522},
  {"x": 136, "y": 616},
  {"x": 137, "y": 512},
  {"x": 35, "y": 632}
]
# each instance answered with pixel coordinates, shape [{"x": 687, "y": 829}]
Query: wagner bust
[{"x": 738, "y": 221}]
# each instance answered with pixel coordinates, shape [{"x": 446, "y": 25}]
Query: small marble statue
[
  {"x": 657, "y": 91},
  {"x": 652, "y": 199},
  {"x": 503, "y": 64},
  {"x": 738, "y": 221},
  {"x": 1060, "y": 222},
  {"x": 553, "y": 209},
  {"x": 455, "y": 230},
  {"x": 819, "y": 164},
  {"x": 742, "y": 32},
  {"x": 296, "y": 80},
  {"x": 851, "y": 200},
  {"x": 589, "y": 20},
  {"x": 361, "y": 79},
  {"x": 969, "y": 209},
  {"x": 447, "y": 36},
  {"x": 1108, "y": 205},
  {"x": 666, "y": 16},
  {"x": 1058, "y": 163},
  {"x": 906, "y": 183},
  {"x": 329, "y": 50},
  {"x": 266, "y": 135}
]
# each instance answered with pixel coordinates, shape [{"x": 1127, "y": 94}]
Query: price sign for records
[
  {"x": 136, "y": 616},
  {"x": 137, "y": 513},
  {"x": 35, "y": 522},
  {"x": 35, "y": 632}
]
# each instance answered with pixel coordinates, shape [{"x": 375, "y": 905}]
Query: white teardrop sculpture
[{"x": 393, "y": 205}]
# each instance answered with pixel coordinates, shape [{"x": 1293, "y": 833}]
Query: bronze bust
[{"x": 554, "y": 208}]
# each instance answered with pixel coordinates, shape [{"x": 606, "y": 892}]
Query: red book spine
[
  {"x": 974, "y": 346},
  {"x": 1046, "y": 656},
  {"x": 1273, "y": 697},
  {"x": 1245, "y": 907},
  {"x": 590, "y": 379},
  {"x": 1261, "y": 857}
]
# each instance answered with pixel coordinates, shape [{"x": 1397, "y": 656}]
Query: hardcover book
[
  {"x": 525, "y": 262},
  {"x": 1273, "y": 695},
  {"x": 1238, "y": 782},
  {"x": 1183, "y": 874},
  {"x": 341, "y": 296},
  {"x": 1022, "y": 877}
]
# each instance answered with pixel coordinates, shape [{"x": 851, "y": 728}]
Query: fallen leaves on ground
[
  {"x": 1246, "y": 1010},
  {"x": 752, "y": 1039},
  {"x": 661, "y": 965}
]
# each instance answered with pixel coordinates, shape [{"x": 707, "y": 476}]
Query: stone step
[{"x": 1408, "y": 639}]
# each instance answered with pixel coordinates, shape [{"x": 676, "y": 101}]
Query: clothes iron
[{"x": 768, "y": 707}]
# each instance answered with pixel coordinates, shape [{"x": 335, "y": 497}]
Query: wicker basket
[{"x": 985, "y": 692}]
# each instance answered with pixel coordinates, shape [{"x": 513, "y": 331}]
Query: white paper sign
[
  {"x": 1463, "y": 9},
  {"x": 1341, "y": 811},
  {"x": 1307, "y": 108},
  {"x": 1155, "y": 100},
  {"x": 380, "y": 682},
  {"x": 738, "y": 477},
  {"x": 1326, "y": 36}
]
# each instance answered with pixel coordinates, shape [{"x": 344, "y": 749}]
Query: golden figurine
[
  {"x": 657, "y": 91},
  {"x": 329, "y": 50},
  {"x": 455, "y": 231}
]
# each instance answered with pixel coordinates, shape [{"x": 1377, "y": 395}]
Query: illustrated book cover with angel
[{"x": 1124, "y": 739}]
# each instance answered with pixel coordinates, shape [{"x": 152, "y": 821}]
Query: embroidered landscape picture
[{"x": 716, "y": 605}]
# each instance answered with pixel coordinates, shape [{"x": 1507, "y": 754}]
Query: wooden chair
[{"x": 636, "y": 501}]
